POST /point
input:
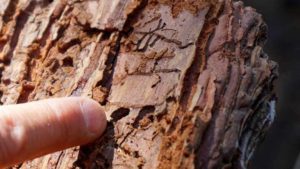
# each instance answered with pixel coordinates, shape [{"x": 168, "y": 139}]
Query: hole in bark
[
  {"x": 54, "y": 66},
  {"x": 171, "y": 99},
  {"x": 144, "y": 112},
  {"x": 174, "y": 124},
  {"x": 135, "y": 154},
  {"x": 161, "y": 115},
  {"x": 119, "y": 114},
  {"x": 64, "y": 46},
  {"x": 151, "y": 118},
  {"x": 106, "y": 36},
  {"x": 68, "y": 62},
  {"x": 25, "y": 93},
  {"x": 6, "y": 81}
]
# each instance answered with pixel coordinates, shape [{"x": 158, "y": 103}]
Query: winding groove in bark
[{"x": 185, "y": 84}]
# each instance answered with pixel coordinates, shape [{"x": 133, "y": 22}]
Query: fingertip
[
  {"x": 37, "y": 128},
  {"x": 94, "y": 116}
]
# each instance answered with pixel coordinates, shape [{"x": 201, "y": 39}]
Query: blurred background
[{"x": 281, "y": 147}]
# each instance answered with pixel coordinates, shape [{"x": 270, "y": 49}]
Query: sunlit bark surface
[{"x": 185, "y": 83}]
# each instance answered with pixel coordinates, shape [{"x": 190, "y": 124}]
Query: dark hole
[
  {"x": 68, "y": 62},
  {"x": 6, "y": 81},
  {"x": 151, "y": 118},
  {"x": 106, "y": 36},
  {"x": 171, "y": 99},
  {"x": 119, "y": 114},
  {"x": 54, "y": 66},
  {"x": 144, "y": 112}
]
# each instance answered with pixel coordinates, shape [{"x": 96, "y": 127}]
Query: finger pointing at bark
[{"x": 37, "y": 128}]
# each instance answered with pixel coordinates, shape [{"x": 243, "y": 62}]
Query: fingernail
[{"x": 94, "y": 117}]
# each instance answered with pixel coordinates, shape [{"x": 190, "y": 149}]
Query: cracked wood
[{"x": 185, "y": 84}]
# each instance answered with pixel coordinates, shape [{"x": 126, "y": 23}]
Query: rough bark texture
[{"x": 185, "y": 84}]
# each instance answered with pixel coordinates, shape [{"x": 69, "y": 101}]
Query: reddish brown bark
[{"x": 185, "y": 84}]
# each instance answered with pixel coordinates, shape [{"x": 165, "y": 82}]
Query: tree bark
[{"x": 185, "y": 84}]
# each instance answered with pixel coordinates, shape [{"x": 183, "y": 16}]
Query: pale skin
[{"x": 33, "y": 129}]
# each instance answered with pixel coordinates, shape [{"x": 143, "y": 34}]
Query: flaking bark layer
[{"x": 185, "y": 84}]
